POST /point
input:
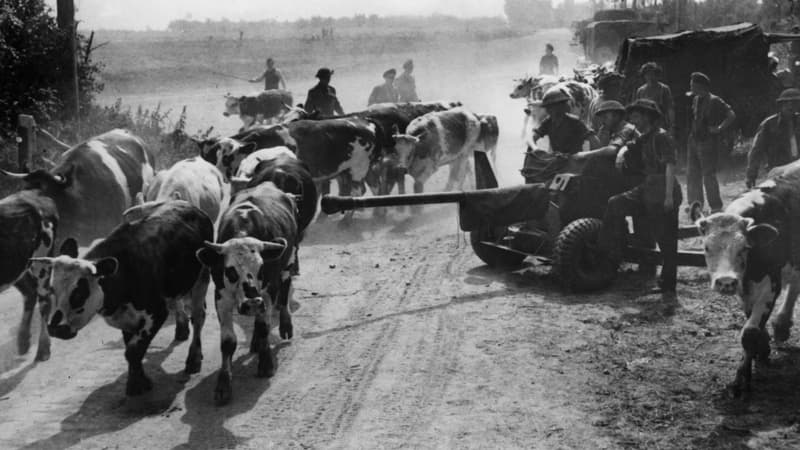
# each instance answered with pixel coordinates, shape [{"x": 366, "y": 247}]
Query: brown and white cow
[
  {"x": 94, "y": 183},
  {"x": 28, "y": 221},
  {"x": 267, "y": 105},
  {"x": 438, "y": 139},
  {"x": 748, "y": 249},
  {"x": 130, "y": 278},
  {"x": 251, "y": 266},
  {"x": 227, "y": 153}
]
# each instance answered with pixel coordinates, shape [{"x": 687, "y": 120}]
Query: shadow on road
[
  {"x": 107, "y": 409},
  {"x": 207, "y": 421}
]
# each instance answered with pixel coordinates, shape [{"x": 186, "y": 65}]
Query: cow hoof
[
  {"x": 751, "y": 340},
  {"x": 781, "y": 329},
  {"x": 181, "y": 332},
  {"x": 286, "y": 331},
  {"x": 23, "y": 342},
  {"x": 42, "y": 354},
  {"x": 193, "y": 364},
  {"x": 138, "y": 386},
  {"x": 266, "y": 364},
  {"x": 763, "y": 348},
  {"x": 223, "y": 392}
]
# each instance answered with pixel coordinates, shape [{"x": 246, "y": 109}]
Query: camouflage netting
[{"x": 734, "y": 57}]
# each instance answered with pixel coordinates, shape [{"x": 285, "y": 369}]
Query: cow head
[
  {"x": 47, "y": 182},
  {"x": 522, "y": 88},
  {"x": 727, "y": 239},
  {"x": 231, "y": 105},
  {"x": 404, "y": 148},
  {"x": 238, "y": 269},
  {"x": 226, "y": 154},
  {"x": 73, "y": 287},
  {"x": 294, "y": 113}
]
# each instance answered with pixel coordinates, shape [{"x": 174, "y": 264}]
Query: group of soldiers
[
  {"x": 322, "y": 97},
  {"x": 639, "y": 139}
]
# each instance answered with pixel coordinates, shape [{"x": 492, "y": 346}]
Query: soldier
[
  {"x": 656, "y": 199},
  {"x": 384, "y": 93},
  {"x": 610, "y": 86},
  {"x": 710, "y": 117},
  {"x": 566, "y": 132},
  {"x": 322, "y": 97},
  {"x": 406, "y": 85},
  {"x": 658, "y": 92},
  {"x": 272, "y": 77},
  {"x": 777, "y": 137},
  {"x": 614, "y": 131},
  {"x": 548, "y": 65}
]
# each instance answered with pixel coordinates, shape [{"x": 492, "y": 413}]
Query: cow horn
[
  {"x": 41, "y": 259},
  {"x": 271, "y": 245},
  {"x": 215, "y": 247},
  {"x": 14, "y": 175}
]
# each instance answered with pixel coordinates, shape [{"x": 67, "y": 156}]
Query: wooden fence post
[{"x": 26, "y": 129}]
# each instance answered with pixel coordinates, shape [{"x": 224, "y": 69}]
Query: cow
[
  {"x": 251, "y": 266},
  {"x": 437, "y": 139},
  {"x": 194, "y": 180},
  {"x": 131, "y": 278},
  {"x": 228, "y": 152},
  {"x": 247, "y": 168},
  {"x": 748, "y": 251},
  {"x": 256, "y": 108},
  {"x": 93, "y": 183},
  {"x": 29, "y": 221}
]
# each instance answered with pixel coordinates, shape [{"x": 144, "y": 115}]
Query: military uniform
[
  {"x": 406, "y": 88},
  {"x": 323, "y": 99},
  {"x": 566, "y": 135},
  {"x": 777, "y": 140},
  {"x": 704, "y": 149},
  {"x": 382, "y": 94}
]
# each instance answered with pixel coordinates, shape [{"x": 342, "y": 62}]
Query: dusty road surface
[{"x": 404, "y": 339}]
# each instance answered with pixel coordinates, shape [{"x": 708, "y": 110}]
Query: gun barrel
[{"x": 333, "y": 203}]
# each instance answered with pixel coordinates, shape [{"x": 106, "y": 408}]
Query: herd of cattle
[{"x": 154, "y": 247}]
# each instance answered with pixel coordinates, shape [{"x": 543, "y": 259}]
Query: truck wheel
[
  {"x": 576, "y": 259},
  {"x": 493, "y": 256}
]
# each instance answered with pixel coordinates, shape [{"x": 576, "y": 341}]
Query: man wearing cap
[
  {"x": 652, "y": 154},
  {"x": 658, "y": 92},
  {"x": 567, "y": 132},
  {"x": 272, "y": 77},
  {"x": 711, "y": 116},
  {"x": 613, "y": 133},
  {"x": 322, "y": 97},
  {"x": 384, "y": 93},
  {"x": 406, "y": 85},
  {"x": 610, "y": 86},
  {"x": 777, "y": 138}
]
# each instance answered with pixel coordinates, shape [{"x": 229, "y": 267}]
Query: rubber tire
[
  {"x": 493, "y": 256},
  {"x": 570, "y": 261}
]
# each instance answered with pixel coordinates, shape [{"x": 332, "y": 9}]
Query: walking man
[
  {"x": 658, "y": 92},
  {"x": 406, "y": 85},
  {"x": 777, "y": 138},
  {"x": 272, "y": 77},
  {"x": 386, "y": 92},
  {"x": 322, "y": 97},
  {"x": 655, "y": 201},
  {"x": 711, "y": 116},
  {"x": 548, "y": 65}
]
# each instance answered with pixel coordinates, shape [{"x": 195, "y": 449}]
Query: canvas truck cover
[{"x": 734, "y": 57}]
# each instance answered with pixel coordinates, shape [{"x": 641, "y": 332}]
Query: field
[{"x": 403, "y": 338}]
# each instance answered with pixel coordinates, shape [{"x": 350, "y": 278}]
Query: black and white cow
[
  {"x": 227, "y": 153},
  {"x": 438, "y": 139},
  {"x": 251, "y": 266},
  {"x": 266, "y": 105},
  {"x": 94, "y": 183},
  {"x": 748, "y": 250},
  {"x": 130, "y": 278},
  {"x": 28, "y": 221}
]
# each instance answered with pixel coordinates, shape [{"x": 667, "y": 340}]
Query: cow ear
[
  {"x": 106, "y": 267},
  {"x": 702, "y": 226},
  {"x": 696, "y": 212},
  {"x": 248, "y": 148},
  {"x": 761, "y": 235},
  {"x": 209, "y": 255},
  {"x": 39, "y": 268},
  {"x": 69, "y": 248},
  {"x": 273, "y": 250}
]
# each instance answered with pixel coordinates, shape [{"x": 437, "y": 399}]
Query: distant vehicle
[
  {"x": 602, "y": 35},
  {"x": 734, "y": 57}
]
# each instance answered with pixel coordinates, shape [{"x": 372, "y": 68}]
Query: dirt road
[{"x": 403, "y": 338}]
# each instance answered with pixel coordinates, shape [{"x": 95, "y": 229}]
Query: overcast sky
[{"x": 156, "y": 14}]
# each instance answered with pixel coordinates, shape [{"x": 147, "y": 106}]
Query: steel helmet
[
  {"x": 789, "y": 95},
  {"x": 554, "y": 96}
]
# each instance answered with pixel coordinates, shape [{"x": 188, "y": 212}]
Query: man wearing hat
[
  {"x": 567, "y": 132},
  {"x": 652, "y": 155},
  {"x": 777, "y": 138},
  {"x": 384, "y": 93},
  {"x": 322, "y": 97},
  {"x": 711, "y": 116},
  {"x": 406, "y": 85},
  {"x": 614, "y": 131},
  {"x": 610, "y": 86},
  {"x": 658, "y": 92}
]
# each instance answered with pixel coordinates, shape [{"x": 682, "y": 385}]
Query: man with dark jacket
[
  {"x": 656, "y": 200},
  {"x": 777, "y": 138},
  {"x": 386, "y": 92},
  {"x": 322, "y": 97}
]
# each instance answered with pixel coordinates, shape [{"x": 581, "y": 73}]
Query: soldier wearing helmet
[
  {"x": 614, "y": 131},
  {"x": 566, "y": 132},
  {"x": 777, "y": 138}
]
